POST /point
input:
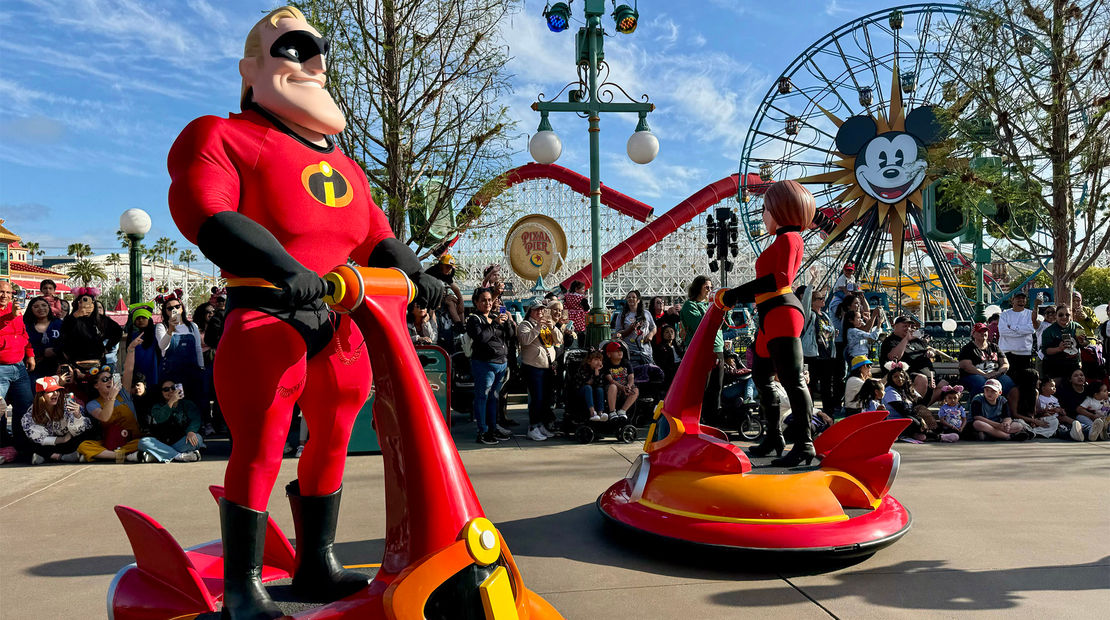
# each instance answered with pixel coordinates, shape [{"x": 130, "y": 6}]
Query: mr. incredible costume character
[
  {"x": 788, "y": 208},
  {"x": 268, "y": 197}
]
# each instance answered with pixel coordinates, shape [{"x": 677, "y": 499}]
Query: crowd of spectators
[{"x": 82, "y": 388}]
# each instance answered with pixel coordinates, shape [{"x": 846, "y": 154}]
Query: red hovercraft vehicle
[
  {"x": 693, "y": 485},
  {"x": 443, "y": 558}
]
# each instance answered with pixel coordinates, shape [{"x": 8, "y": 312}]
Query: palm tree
[
  {"x": 114, "y": 260},
  {"x": 166, "y": 248},
  {"x": 187, "y": 257},
  {"x": 32, "y": 249},
  {"x": 86, "y": 271},
  {"x": 80, "y": 250}
]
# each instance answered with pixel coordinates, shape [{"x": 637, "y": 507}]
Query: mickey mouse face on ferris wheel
[{"x": 891, "y": 165}]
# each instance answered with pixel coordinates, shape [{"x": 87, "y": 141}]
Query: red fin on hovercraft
[
  {"x": 826, "y": 441},
  {"x": 161, "y": 563},
  {"x": 866, "y": 455},
  {"x": 278, "y": 553}
]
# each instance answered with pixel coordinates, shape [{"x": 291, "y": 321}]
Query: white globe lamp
[
  {"x": 643, "y": 146},
  {"x": 134, "y": 222},
  {"x": 991, "y": 310},
  {"x": 1100, "y": 313},
  {"x": 949, "y": 325}
]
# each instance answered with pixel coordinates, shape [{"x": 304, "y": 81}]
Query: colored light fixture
[
  {"x": 557, "y": 16},
  {"x": 626, "y": 19}
]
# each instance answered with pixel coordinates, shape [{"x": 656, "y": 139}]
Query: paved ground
[{"x": 1000, "y": 530}]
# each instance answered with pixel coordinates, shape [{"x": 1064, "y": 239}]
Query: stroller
[{"x": 576, "y": 423}]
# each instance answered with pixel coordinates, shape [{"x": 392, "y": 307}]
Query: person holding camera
[
  {"x": 538, "y": 340},
  {"x": 490, "y": 332},
  {"x": 54, "y": 424},
  {"x": 115, "y": 410},
  {"x": 635, "y": 327},
  {"x": 174, "y": 429},
  {"x": 182, "y": 353},
  {"x": 86, "y": 330}
]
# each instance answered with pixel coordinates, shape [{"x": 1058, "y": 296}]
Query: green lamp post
[
  {"x": 135, "y": 223},
  {"x": 545, "y": 147}
]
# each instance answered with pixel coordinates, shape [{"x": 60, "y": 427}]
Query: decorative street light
[
  {"x": 545, "y": 147},
  {"x": 135, "y": 223}
]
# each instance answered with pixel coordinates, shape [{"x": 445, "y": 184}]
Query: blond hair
[{"x": 252, "y": 47}]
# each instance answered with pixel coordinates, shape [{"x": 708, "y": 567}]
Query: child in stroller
[{"x": 580, "y": 376}]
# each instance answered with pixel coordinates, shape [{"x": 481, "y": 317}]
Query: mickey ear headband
[
  {"x": 892, "y": 366},
  {"x": 91, "y": 291},
  {"x": 177, "y": 295},
  {"x": 959, "y": 389}
]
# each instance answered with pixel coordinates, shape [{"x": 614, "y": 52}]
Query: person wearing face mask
[{"x": 268, "y": 197}]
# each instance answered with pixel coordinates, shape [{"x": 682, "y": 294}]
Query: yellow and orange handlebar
[{"x": 348, "y": 286}]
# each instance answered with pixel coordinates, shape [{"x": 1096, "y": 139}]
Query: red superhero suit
[{"x": 778, "y": 348}]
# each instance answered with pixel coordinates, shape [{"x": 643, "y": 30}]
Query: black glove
[
  {"x": 745, "y": 293},
  {"x": 303, "y": 288},
  {"x": 429, "y": 290}
]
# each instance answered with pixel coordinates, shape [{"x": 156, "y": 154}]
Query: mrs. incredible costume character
[
  {"x": 788, "y": 208},
  {"x": 268, "y": 197}
]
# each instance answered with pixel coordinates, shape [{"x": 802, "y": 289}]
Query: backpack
[{"x": 466, "y": 344}]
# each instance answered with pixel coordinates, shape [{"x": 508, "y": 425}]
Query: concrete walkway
[{"x": 1000, "y": 530}]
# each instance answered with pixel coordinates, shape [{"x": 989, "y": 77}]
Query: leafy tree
[
  {"x": 1031, "y": 89},
  {"x": 86, "y": 271},
  {"x": 188, "y": 257},
  {"x": 1094, "y": 284},
  {"x": 422, "y": 84},
  {"x": 33, "y": 249}
]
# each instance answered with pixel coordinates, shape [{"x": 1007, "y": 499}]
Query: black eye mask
[{"x": 299, "y": 46}]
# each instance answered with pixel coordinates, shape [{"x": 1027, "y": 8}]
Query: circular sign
[{"x": 535, "y": 245}]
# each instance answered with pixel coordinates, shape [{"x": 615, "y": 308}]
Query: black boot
[
  {"x": 244, "y": 538},
  {"x": 772, "y": 435},
  {"x": 319, "y": 574},
  {"x": 786, "y": 353}
]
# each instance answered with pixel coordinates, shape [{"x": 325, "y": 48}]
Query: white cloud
[
  {"x": 833, "y": 7},
  {"x": 657, "y": 180}
]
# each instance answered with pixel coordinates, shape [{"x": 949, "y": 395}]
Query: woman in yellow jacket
[{"x": 538, "y": 338}]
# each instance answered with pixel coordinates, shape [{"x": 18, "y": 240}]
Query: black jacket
[{"x": 489, "y": 339}]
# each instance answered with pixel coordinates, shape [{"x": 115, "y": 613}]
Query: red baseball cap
[
  {"x": 979, "y": 327},
  {"x": 46, "y": 384},
  {"x": 614, "y": 346},
  {"x": 850, "y": 267}
]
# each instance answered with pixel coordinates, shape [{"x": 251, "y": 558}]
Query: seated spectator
[
  {"x": 1071, "y": 394},
  {"x": 54, "y": 424},
  {"x": 422, "y": 324},
  {"x": 991, "y": 416},
  {"x": 859, "y": 373},
  {"x": 1060, "y": 345},
  {"x": 992, "y": 328},
  {"x": 64, "y": 309},
  {"x": 174, "y": 426},
  {"x": 115, "y": 410},
  {"x": 980, "y": 361},
  {"x": 47, "y": 289},
  {"x": 871, "y": 395},
  {"x": 863, "y": 330},
  {"x": 1050, "y": 411},
  {"x": 1023, "y": 404},
  {"x": 903, "y": 402},
  {"x": 619, "y": 381},
  {"x": 1091, "y": 359},
  {"x": 1083, "y": 315},
  {"x": 591, "y": 381},
  {"x": 668, "y": 354},
  {"x": 951, "y": 419},
  {"x": 635, "y": 327},
  {"x": 736, "y": 379},
  {"x": 44, "y": 330},
  {"x": 910, "y": 349},
  {"x": 1048, "y": 317},
  {"x": 1095, "y": 410},
  {"x": 85, "y": 331}
]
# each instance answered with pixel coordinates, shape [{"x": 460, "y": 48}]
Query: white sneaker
[
  {"x": 132, "y": 457},
  {"x": 535, "y": 434},
  {"x": 1096, "y": 430},
  {"x": 546, "y": 433},
  {"x": 299, "y": 452},
  {"x": 187, "y": 457},
  {"x": 595, "y": 418},
  {"x": 36, "y": 459},
  {"x": 604, "y": 417},
  {"x": 619, "y": 414},
  {"x": 1076, "y": 431}
]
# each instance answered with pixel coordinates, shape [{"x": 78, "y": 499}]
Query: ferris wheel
[{"x": 852, "y": 118}]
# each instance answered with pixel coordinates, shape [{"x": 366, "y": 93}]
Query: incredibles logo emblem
[{"x": 326, "y": 185}]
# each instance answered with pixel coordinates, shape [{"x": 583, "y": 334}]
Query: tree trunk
[
  {"x": 391, "y": 92},
  {"x": 1061, "y": 179}
]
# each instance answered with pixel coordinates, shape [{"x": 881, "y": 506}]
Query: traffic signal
[{"x": 723, "y": 236}]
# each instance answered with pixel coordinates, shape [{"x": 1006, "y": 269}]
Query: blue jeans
[
  {"x": 975, "y": 383},
  {"x": 15, "y": 388},
  {"x": 593, "y": 396},
  {"x": 487, "y": 384},
  {"x": 165, "y": 452}
]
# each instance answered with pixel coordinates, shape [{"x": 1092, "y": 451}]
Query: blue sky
[{"x": 97, "y": 91}]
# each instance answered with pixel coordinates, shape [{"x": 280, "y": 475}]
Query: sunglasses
[
  {"x": 169, "y": 389},
  {"x": 173, "y": 306}
]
